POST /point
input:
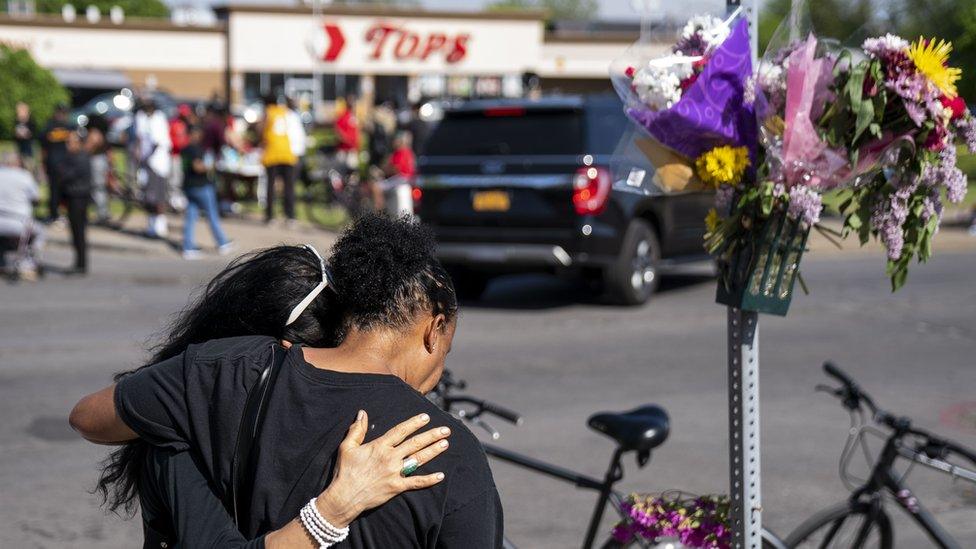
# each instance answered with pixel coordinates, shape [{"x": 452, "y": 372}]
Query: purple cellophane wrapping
[{"x": 712, "y": 111}]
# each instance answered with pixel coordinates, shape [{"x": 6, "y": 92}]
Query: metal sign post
[
  {"x": 744, "y": 462},
  {"x": 744, "y": 450}
]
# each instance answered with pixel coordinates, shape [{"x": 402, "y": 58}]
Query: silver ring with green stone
[{"x": 409, "y": 466}]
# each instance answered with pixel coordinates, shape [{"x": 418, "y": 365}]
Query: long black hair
[{"x": 384, "y": 272}]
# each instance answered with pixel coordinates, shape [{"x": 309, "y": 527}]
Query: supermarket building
[{"x": 384, "y": 52}]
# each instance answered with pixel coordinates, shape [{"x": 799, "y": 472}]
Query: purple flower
[
  {"x": 805, "y": 205},
  {"x": 967, "y": 125},
  {"x": 692, "y": 45},
  {"x": 623, "y": 533},
  {"x": 946, "y": 174},
  {"x": 890, "y": 213},
  {"x": 723, "y": 198}
]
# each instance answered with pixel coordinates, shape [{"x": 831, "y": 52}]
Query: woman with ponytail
[{"x": 373, "y": 338}]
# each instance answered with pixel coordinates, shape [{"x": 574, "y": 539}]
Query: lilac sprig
[
  {"x": 700, "y": 522},
  {"x": 805, "y": 205}
]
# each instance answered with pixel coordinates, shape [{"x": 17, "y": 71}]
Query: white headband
[{"x": 303, "y": 304}]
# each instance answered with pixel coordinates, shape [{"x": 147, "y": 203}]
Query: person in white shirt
[
  {"x": 298, "y": 140},
  {"x": 152, "y": 131},
  {"x": 18, "y": 194}
]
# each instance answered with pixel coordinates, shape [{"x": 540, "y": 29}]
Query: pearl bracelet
[{"x": 323, "y": 532}]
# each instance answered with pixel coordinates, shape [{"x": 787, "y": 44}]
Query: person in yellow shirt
[{"x": 278, "y": 157}]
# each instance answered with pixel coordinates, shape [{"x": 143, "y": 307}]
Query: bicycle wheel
[{"x": 844, "y": 525}]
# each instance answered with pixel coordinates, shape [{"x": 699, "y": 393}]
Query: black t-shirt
[
  {"x": 179, "y": 508},
  {"x": 54, "y": 141},
  {"x": 196, "y": 400},
  {"x": 75, "y": 174},
  {"x": 191, "y": 177},
  {"x": 24, "y": 131}
]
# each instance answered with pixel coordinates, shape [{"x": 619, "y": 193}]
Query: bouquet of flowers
[
  {"x": 689, "y": 104},
  {"x": 692, "y": 521},
  {"x": 878, "y": 123}
]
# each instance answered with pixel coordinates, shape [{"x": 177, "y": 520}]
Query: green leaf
[
  {"x": 898, "y": 278},
  {"x": 863, "y": 107}
]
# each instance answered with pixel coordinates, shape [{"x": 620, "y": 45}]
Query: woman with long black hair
[{"x": 392, "y": 317}]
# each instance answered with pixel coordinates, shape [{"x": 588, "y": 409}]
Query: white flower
[
  {"x": 771, "y": 77},
  {"x": 875, "y": 47},
  {"x": 713, "y": 31},
  {"x": 659, "y": 87},
  {"x": 749, "y": 92}
]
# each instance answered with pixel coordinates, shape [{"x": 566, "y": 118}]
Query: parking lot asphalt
[{"x": 549, "y": 350}]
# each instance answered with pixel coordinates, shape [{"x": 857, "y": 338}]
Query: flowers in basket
[
  {"x": 689, "y": 103},
  {"x": 878, "y": 125},
  {"x": 691, "y": 521}
]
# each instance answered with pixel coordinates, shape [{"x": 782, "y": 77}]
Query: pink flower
[
  {"x": 957, "y": 104},
  {"x": 936, "y": 140}
]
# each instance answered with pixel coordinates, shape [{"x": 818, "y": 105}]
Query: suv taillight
[
  {"x": 591, "y": 188},
  {"x": 416, "y": 193}
]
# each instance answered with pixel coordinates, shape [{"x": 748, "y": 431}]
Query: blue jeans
[{"x": 201, "y": 198}]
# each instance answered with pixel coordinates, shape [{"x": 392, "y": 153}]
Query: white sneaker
[
  {"x": 226, "y": 248},
  {"x": 192, "y": 255},
  {"x": 161, "y": 226}
]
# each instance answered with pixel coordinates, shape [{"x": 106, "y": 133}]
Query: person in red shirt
[
  {"x": 403, "y": 162},
  {"x": 179, "y": 136},
  {"x": 347, "y": 132},
  {"x": 401, "y": 168}
]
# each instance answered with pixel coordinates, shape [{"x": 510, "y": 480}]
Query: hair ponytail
[{"x": 251, "y": 296}]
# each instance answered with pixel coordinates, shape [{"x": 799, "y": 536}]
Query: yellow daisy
[
  {"x": 931, "y": 58},
  {"x": 723, "y": 165},
  {"x": 712, "y": 220}
]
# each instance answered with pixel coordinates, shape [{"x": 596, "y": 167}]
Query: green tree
[
  {"x": 844, "y": 20},
  {"x": 512, "y": 5},
  {"x": 557, "y": 9},
  {"x": 22, "y": 79},
  {"x": 134, "y": 8}
]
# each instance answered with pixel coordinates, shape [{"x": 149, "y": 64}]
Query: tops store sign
[
  {"x": 391, "y": 41},
  {"x": 353, "y": 44}
]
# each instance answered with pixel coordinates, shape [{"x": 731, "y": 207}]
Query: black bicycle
[
  {"x": 121, "y": 187},
  {"x": 331, "y": 183},
  {"x": 859, "y": 522},
  {"x": 862, "y": 521},
  {"x": 639, "y": 431}
]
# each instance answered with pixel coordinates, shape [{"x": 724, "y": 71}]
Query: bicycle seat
[{"x": 641, "y": 429}]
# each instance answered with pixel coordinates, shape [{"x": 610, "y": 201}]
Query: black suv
[{"x": 526, "y": 185}]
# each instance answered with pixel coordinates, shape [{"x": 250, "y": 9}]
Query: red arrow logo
[{"x": 336, "y": 42}]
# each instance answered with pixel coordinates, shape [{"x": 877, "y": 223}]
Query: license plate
[{"x": 491, "y": 201}]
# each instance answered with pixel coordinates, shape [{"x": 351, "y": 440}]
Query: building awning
[{"x": 99, "y": 79}]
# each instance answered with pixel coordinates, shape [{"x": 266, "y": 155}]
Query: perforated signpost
[{"x": 743, "y": 361}]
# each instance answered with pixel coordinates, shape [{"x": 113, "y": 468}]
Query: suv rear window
[
  {"x": 605, "y": 126},
  {"x": 508, "y": 132}
]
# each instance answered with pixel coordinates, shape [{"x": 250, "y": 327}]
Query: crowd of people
[{"x": 176, "y": 164}]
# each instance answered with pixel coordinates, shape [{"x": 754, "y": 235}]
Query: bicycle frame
[
  {"x": 883, "y": 478},
  {"x": 605, "y": 487}
]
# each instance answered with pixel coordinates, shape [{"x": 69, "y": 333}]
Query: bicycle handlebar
[
  {"x": 852, "y": 396},
  {"x": 504, "y": 413},
  {"x": 449, "y": 383},
  {"x": 851, "y": 393}
]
